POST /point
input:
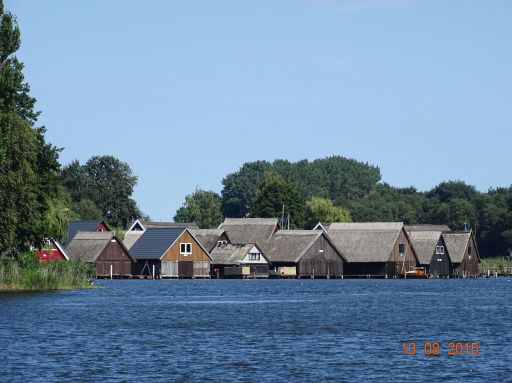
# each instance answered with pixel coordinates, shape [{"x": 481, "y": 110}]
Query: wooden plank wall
[{"x": 198, "y": 254}]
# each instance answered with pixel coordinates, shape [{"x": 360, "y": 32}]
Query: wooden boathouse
[
  {"x": 211, "y": 238},
  {"x": 139, "y": 226},
  {"x": 431, "y": 249},
  {"x": 304, "y": 254},
  {"x": 373, "y": 249},
  {"x": 463, "y": 253},
  {"x": 105, "y": 250},
  {"x": 170, "y": 252},
  {"x": 239, "y": 261}
]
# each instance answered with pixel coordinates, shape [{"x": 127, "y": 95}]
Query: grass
[
  {"x": 500, "y": 263},
  {"x": 28, "y": 274}
]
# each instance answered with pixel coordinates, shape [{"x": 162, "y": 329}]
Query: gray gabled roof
[
  {"x": 457, "y": 243},
  {"x": 82, "y": 225},
  {"x": 290, "y": 245},
  {"x": 88, "y": 246},
  {"x": 155, "y": 242},
  {"x": 157, "y": 224},
  {"x": 131, "y": 237},
  {"x": 365, "y": 241},
  {"x": 426, "y": 227},
  {"x": 424, "y": 243},
  {"x": 208, "y": 238},
  {"x": 232, "y": 254},
  {"x": 250, "y": 230}
]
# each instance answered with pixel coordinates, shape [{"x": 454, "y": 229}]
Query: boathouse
[
  {"x": 250, "y": 230},
  {"x": 84, "y": 225},
  {"x": 139, "y": 226},
  {"x": 374, "y": 249},
  {"x": 211, "y": 238},
  {"x": 52, "y": 250},
  {"x": 239, "y": 261},
  {"x": 463, "y": 253},
  {"x": 431, "y": 250},
  {"x": 170, "y": 252},
  {"x": 105, "y": 250},
  {"x": 304, "y": 254}
]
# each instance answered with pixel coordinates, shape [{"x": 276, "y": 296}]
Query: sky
[{"x": 187, "y": 91}]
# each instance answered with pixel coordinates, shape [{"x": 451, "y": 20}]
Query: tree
[
  {"x": 240, "y": 189},
  {"x": 449, "y": 190},
  {"x": 323, "y": 210},
  {"x": 30, "y": 194},
  {"x": 105, "y": 182},
  {"x": 202, "y": 207},
  {"x": 273, "y": 194}
]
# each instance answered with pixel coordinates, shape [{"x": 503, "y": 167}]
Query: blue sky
[{"x": 187, "y": 91}]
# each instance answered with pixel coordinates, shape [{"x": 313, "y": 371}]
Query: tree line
[{"x": 338, "y": 189}]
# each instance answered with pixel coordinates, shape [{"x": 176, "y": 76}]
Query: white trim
[{"x": 186, "y": 244}]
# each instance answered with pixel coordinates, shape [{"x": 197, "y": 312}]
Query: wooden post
[
  {"x": 111, "y": 271},
  {"x": 153, "y": 271}
]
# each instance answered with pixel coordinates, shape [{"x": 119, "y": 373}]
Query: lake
[{"x": 259, "y": 330}]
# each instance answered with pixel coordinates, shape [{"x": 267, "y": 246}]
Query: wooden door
[{"x": 185, "y": 269}]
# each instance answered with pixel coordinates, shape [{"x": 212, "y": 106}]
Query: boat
[{"x": 417, "y": 273}]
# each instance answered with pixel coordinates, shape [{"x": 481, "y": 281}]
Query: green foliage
[
  {"x": 29, "y": 274},
  {"x": 86, "y": 209},
  {"x": 29, "y": 176},
  {"x": 320, "y": 209},
  {"x": 202, "y": 207},
  {"x": 337, "y": 178},
  {"x": 273, "y": 194},
  {"x": 103, "y": 184}
]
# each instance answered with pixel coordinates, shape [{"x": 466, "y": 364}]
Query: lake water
[{"x": 258, "y": 330}]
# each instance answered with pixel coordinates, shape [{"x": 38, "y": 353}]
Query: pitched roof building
[
  {"x": 463, "y": 252},
  {"x": 381, "y": 249},
  {"x": 84, "y": 225},
  {"x": 250, "y": 230},
  {"x": 139, "y": 226},
  {"x": 431, "y": 250}
]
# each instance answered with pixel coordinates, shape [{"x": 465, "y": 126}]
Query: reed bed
[{"x": 28, "y": 274}]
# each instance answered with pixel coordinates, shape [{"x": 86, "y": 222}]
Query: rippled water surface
[{"x": 257, "y": 330}]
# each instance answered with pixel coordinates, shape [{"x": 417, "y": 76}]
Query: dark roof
[
  {"x": 87, "y": 246},
  {"x": 85, "y": 225},
  {"x": 155, "y": 242}
]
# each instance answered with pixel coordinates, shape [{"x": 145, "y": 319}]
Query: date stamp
[{"x": 439, "y": 348}]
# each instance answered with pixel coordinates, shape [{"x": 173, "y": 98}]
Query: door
[{"x": 185, "y": 269}]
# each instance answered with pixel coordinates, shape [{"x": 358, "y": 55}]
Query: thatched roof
[
  {"x": 424, "y": 243},
  {"x": 290, "y": 245},
  {"x": 250, "y": 230},
  {"x": 426, "y": 227},
  {"x": 365, "y": 241},
  {"x": 88, "y": 246},
  {"x": 156, "y": 224},
  {"x": 232, "y": 254},
  {"x": 208, "y": 238},
  {"x": 457, "y": 243},
  {"x": 130, "y": 237}
]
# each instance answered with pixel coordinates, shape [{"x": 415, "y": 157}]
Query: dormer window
[
  {"x": 254, "y": 256},
  {"x": 222, "y": 243}
]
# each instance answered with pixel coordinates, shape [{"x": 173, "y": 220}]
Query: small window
[
  {"x": 100, "y": 229},
  {"x": 185, "y": 248},
  {"x": 438, "y": 250},
  {"x": 469, "y": 250},
  {"x": 401, "y": 249},
  {"x": 441, "y": 249},
  {"x": 221, "y": 243},
  {"x": 254, "y": 256}
]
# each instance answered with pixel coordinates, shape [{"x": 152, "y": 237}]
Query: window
[
  {"x": 469, "y": 250},
  {"x": 401, "y": 249},
  {"x": 221, "y": 243},
  {"x": 185, "y": 248},
  {"x": 254, "y": 256},
  {"x": 438, "y": 249},
  {"x": 100, "y": 229},
  {"x": 441, "y": 249}
]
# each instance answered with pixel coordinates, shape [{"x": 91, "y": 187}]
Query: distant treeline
[{"x": 342, "y": 189}]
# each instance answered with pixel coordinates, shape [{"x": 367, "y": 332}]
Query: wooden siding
[
  {"x": 115, "y": 255},
  {"x": 185, "y": 269},
  {"x": 469, "y": 265},
  {"x": 440, "y": 265},
  {"x": 198, "y": 254},
  {"x": 400, "y": 264},
  {"x": 320, "y": 261}
]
